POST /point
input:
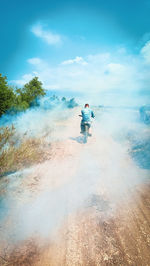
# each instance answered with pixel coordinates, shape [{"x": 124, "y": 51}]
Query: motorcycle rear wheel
[{"x": 86, "y": 132}]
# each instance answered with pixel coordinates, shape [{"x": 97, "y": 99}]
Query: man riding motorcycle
[{"x": 86, "y": 114}]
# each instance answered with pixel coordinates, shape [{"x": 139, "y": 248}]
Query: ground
[{"x": 87, "y": 204}]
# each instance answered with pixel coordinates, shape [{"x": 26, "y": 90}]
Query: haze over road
[{"x": 86, "y": 204}]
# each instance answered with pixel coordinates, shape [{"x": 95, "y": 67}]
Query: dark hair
[{"x": 86, "y": 105}]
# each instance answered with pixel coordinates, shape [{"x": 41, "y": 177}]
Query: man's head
[{"x": 86, "y": 105}]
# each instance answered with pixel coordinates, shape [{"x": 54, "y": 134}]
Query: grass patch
[
  {"x": 6, "y": 136},
  {"x": 14, "y": 157}
]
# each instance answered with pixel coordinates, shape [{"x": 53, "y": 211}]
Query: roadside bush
[
  {"x": 15, "y": 158},
  {"x": 6, "y": 134}
]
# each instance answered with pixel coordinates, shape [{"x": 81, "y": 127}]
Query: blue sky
[{"x": 71, "y": 44}]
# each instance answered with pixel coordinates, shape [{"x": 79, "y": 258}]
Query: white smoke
[{"x": 38, "y": 199}]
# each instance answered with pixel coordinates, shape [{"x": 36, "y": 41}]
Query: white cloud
[
  {"x": 99, "y": 58},
  {"x": 104, "y": 72},
  {"x": 34, "y": 61},
  {"x": 46, "y": 35},
  {"x": 145, "y": 51},
  {"x": 116, "y": 68},
  {"x": 25, "y": 78},
  {"x": 77, "y": 60},
  {"x": 101, "y": 73}
]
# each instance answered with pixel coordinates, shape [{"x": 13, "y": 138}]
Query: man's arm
[{"x": 92, "y": 114}]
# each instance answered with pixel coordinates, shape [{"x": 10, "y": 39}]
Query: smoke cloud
[
  {"x": 37, "y": 200},
  {"x": 115, "y": 160}
]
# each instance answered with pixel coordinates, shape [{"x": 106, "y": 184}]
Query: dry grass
[
  {"x": 14, "y": 157},
  {"x": 6, "y": 136},
  {"x": 25, "y": 255}
]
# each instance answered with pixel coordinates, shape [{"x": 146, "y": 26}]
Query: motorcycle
[{"x": 85, "y": 130}]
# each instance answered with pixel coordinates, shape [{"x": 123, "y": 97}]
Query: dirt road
[{"x": 88, "y": 204}]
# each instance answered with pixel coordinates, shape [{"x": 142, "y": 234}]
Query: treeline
[
  {"x": 54, "y": 101},
  {"x": 16, "y": 99},
  {"x": 13, "y": 100}
]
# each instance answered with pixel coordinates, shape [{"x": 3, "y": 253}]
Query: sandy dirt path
[{"x": 89, "y": 204}]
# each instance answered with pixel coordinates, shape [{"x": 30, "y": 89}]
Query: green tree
[
  {"x": 63, "y": 99},
  {"x": 7, "y": 95},
  {"x": 31, "y": 91},
  {"x": 19, "y": 104},
  {"x": 72, "y": 103}
]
